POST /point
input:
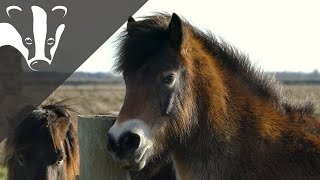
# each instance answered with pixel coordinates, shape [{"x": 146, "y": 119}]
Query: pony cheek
[{"x": 166, "y": 104}]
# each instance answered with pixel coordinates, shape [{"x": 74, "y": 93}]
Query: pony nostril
[
  {"x": 129, "y": 141},
  {"x": 111, "y": 143}
]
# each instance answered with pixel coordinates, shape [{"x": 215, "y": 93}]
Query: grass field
[
  {"x": 89, "y": 99},
  {"x": 304, "y": 92},
  {"x": 100, "y": 99}
]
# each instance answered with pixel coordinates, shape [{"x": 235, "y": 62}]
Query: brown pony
[
  {"x": 196, "y": 97},
  {"x": 44, "y": 146}
]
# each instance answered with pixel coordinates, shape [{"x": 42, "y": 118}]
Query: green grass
[{"x": 3, "y": 173}]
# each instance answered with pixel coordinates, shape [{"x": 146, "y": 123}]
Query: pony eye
[
  {"x": 20, "y": 159},
  {"x": 60, "y": 161},
  {"x": 60, "y": 158},
  {"x": 50, "y": 41},
  {"x": 28, "y": 41},
  {"x": 169, "y": 80}
]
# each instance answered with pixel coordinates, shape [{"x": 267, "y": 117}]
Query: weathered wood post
[{"x": 95, "y": 162}]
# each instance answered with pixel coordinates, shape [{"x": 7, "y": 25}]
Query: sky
[{"x": 276, "y": 35}]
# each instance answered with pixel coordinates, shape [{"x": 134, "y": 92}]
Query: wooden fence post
[{"x": 95, "y": 162}]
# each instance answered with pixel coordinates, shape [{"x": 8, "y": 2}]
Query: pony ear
[
  {"x": 175, "y": 31},
  {"x": 130, "y": 19},
  {"x": 129, "y": 24}
]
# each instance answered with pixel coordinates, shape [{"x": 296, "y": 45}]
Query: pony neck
[
  {"x": 225, "y": 104},
  {"x": 225, "y": 98}
]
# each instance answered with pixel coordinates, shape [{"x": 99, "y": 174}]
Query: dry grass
[
  {"x": 304, "y": 92},
  {"x": 89, "y": 99},
  {"x": 100, "y": 99}
]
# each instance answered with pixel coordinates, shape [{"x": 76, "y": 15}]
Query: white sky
[{"x": 277, "y": 35}]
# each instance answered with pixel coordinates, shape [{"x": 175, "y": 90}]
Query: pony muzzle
[{"x": 128, "y": 145}]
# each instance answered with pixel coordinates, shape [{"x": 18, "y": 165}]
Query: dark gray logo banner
[{"x": 43, "y": 42}]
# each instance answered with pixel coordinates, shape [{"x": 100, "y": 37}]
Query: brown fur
[
  {"x": 226, "y": 119},
  {"x": 45, "y": 136}
]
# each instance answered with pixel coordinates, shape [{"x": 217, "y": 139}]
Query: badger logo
[{"x": 39, "y": 45}]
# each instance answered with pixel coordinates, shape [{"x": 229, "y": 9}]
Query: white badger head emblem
[{"x": 39, "y": 48}]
